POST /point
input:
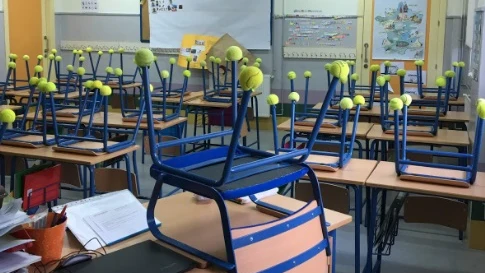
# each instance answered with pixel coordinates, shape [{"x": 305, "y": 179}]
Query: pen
[{"x": 56, "y": 216}]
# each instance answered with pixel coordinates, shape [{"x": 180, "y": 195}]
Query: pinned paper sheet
[{"x": 197, "y": 47}]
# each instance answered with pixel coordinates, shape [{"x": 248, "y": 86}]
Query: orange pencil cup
[{"x": 48, "y": 241}]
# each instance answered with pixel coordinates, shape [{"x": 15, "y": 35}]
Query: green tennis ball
[
  {"x": 89, "y": 49},
  {"x": 419, "y": 62},
  {"x": 481, "y": 110},
  {"x": 118, "y": 72},
  {"x": 213, "y": 59},
  {"x": 12, "y": 56},
  {"x": 80, "y": 52},
  {"x": 81, "y": 71},
  {"x": 151, "y": 88},
  {"x": 34, "y": 81},
  {"x": 218, "y": 60},
  {"x": 242, "y": 67},
  {"x": 111, "y": 51},
  {"x": 189, "y": 59},
  {"x": 293, "y": 96},
  {"x": 291, "y": 75},
  {"x": 97, "y": 84},
  {"x": 328, "y": 66},
  {"x": 250, "y": 78},
  {"x": 359, "y": 100},
  {"x": 461, "y": 64},
  {"x": 164, "y": 74},
  {"x": 58, "y": 58},
  {"x": 387, "y": 63},
  {"x": 69, "y": 67},
  {"x": 100, "y": 53},
  {"x": 50, "y": 87},
  {"x": 441, "y": 82},
  {"x": 341, "y": 70},
  {"x": 245, "y": 60},
  {"x": 42, "y": 85},
  {"x": 450, "y": 74},
  {"x": 346, "y": 104},
  {"x": 109, "y": 70},
  {"x": 407, "y": 99},
  {"x": 121, "y": 50},
  {"x": 54, "y": 51},
  {"x": 203, "y": 64},
  {"x": 387, "y": 78},
  {"x": 40, "y": 57},
  {"x": 89, "y": 84},
  {"x": 272, "y": 99},
  {"x": 12, "y": 65},
  {"x": 144, "y": 57},
  {"x": 187, "y": 73},
  {"x": 257, "y": 65},
  {"x": 7, "y": 116},
  {"x": 155, "y": 58},
  {"x": 172, "y": 61},
  {"x": 396, "y": 104},
  {"x": 352, "y": 63},
  {"x": 307, "y": 74},
  {"x": 51, "y": 57},
  {"x": 259, "y": 60},
  {"x": 234, "y": 53},
  {"x": 401, "y": 72},
  {"x": 355, "y": 77},
  {"x": 105, "y": 91},
  {"x": 82, "y": 59},
  {"x": 455, "y": 64},
  {"x": 375, "y": 67},
  {"x": 26, "y": 57},
  {"x": 480, "y": 101},
  {"x": 42, "y": 79},
  {"x": 74, "y": 51},
  {"x": 381, "y": 81},
  {"x": 38, "y": 69}
]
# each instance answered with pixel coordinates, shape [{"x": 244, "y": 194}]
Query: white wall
[
  {"x": 455, "y": 7},
  {"x": 104, "y": 6}
]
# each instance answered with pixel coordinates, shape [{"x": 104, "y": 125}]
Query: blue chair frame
[{"x": 454, "y": 92}]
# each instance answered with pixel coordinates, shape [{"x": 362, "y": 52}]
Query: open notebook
[{"x": 106, "y": 219}]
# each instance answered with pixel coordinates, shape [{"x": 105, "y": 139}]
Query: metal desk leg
[
  {"x": 84, "y": 182},
  {"x": 358, "y": 220},
  {"x": 258, "y": 144},
  {"x": 2, "y": 171},
  {"x": 367, "y": 148},
  {"x": 128, "y": 172},
  {"x": 143, "y": 147},
  {"x": 92, "y": 186},
  {"x": 372, "y": 213},
  {"x": 135, "y": 169},
  {"x": 333, "y": 234},
  {"x": 13, "y": 167}
]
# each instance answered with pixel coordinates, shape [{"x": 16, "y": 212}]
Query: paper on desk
[
  {"x": 258, "y": 196},
  {"x": 18, "y": 219},
  {"x": 7, "y": 242},
  {"x": 10, "y": 262}
]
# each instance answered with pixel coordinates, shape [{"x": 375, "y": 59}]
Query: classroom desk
[
  {"x": 198, "y": 225},
  {"x": 384, "y": 178},
  {"x": 362, "y": 129},
  {"x": 11, "y": 107},
  {"x": 26, "y": 94},
  {"x": 459, "y": 102},
  {"x": 188, "y": 97},
  {"x": 48, "y": 154}
]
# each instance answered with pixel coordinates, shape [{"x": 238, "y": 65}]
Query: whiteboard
[
  {"x": 246, "y": 21},
  {"x": 470, "y": 22},
  {"x": 321, "y": 7}
]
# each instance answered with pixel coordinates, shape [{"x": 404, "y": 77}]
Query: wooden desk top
[
  {"x": 199, "y": 225},
  {"x": 26, "y": 94},
  {"x": 201, "y": 102},
  {"x": 188, "y": 97},
  {"x": 47, "y": 153},
  {"x": 13, "y": 107},
  {"x": 444, "y": 137},
  {"x": 362, "y": 129},
  {"x": 115, "y": 85},
  {"x": 459, "y": 102},
  {"x": 384, "y": 176}
]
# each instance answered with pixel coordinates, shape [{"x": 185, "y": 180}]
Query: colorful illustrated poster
[
  {"x": 196, "y": 46},
  {"x": 334, "y": 32},
  {"x": 399, "y": 30}
]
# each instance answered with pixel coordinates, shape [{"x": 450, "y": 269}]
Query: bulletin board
[{"x": 144, "y": 22}]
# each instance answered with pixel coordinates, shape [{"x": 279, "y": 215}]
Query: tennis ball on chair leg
[
  {"x": 359, "y": 100},
  {"x": 346, "y": 104},
  {"x": 7, "y": 116},
  {"x": 272, "y": 99},
  {"x": 341, "y": 70},
  {"x": 294, "y": 96},
  {"x": 250, "y": 78},
  {"x": 407, "y": 99},
  {"x": 481, "y": 109},
  {"x": 144, "y": 57},
  {"x": 234, "y": 53},
  {"x": 396, "y": 104}
]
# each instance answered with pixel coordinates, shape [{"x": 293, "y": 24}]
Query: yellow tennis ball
[
  {"x": 89, "y": 84},
  {"x": 307, "y": 74},
  {"x": 34, "y": 81},
  {"x": 381, "y": 81},
  {"x": 58, "y": 58},
  {"x": 387, "y": 63},
  {"x": 172, "y": 60},
  {"x": 461, "y": 64},
  {"x": 26, "y": 57},
  {"x": 450, "y": 74},
  {"x": 259, "y": 60},
  {"x": 69, "y": 67},
  {"x": 82, "y": 59},
  {"x": 481, "y": 110},
  {"x": 41, "y": 85},
  {"x": 40, "y": 57},
  {"x": 74, "y": 51},
  {"x": 105, "y": 90},
  {"x": 245, "y": 60},
  {"x": 359, "y": 100},
  {"x": 419, "y": 62},
  {"x": 328, "y": 66},
  {"x": 291, "y": 75},
  {"x": 346, "y": 104},
  {"x": 80, "y": 52},
  {"x": 234, "y": 53},
  {"x": 256, "y": 64},
  {"x": 387, "y": 78},
  {"x": 250, "y": 78},
  {"x": 341, "y": 70},
  {"x": 455, "y": 64},
  {"x": 144, "y": 57},
  {"x": 111, "y": 51},
  {"x": 109, "y": 70},
  {"x": 12, "y": 65},
  {"x": 396, "y": 104},
  {"x": 118, "y": 72},
  {"x": 12, "y": 56},
  {"x": 187, "y": 73},
  {"x": 293, "y": 96},
  {"x": 89, "y": 49},
  {"x": 81, "y": 71},
  {"x": 441, "y": 82},
  {"x": 42, "y": 79},
  {"x": 38, "y": 69},
  {"x": 401, "y": 72},
  {"x": 100, "y": 53},
  {"x": 407, "y": 99},
  {"x": 54, "y": 51},
  {"x": 355, "y": 77},
  {"x": 212, "y": 58},
  {"x": 50, "y": 87},
  {"x": 189, "y": 59},
  {"x": 51, "y": 57},
  {"x": 7, "y": 116},
  {"x": 272, "y": 99},
  {"x": 218, "y": 60},
  {"x": 480, "y": 101},
  {"x": 121, "y": 50},
  {"x": 155, "y": 58},
  {"x": 242, "y": 67},
  {"x": 97, "y": 84},
  {"x": 203, "y": 64},
  {"x": 164, "y": 74},
  {"x": 151, "y": 88},
  {"x": 375, "y": 67}
]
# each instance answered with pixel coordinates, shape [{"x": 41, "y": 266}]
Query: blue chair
[
  {"x": 233, "y": 171},
  {"x": 435, "y": 173},
  {"x": 431, "y": 93},
  {"x": 7, "y": 116}
]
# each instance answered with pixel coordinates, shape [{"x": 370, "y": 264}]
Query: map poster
[{"x": 399, "y": 30}]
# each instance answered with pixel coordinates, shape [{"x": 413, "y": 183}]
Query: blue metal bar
[{"x": 433, "y": 165}]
